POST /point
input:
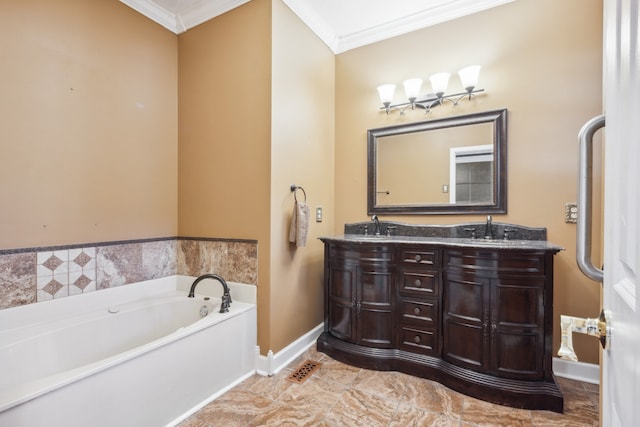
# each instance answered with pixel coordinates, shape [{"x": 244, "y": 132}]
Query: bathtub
[{"x": 138, "y": 355}]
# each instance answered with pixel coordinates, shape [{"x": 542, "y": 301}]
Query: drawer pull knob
[
  {"x": 416, "y": 310},
  {"x": 418, "y": 258},
  {"x": 418, "y": 283},
  {"x": 417, "y": 339}
]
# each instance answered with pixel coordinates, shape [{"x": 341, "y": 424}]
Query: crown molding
[
  {"x": 204, "y": 10},
  {"x": 311, "y": 19},
  {"x": 182, "y": 21},
  {"x": 428, "y": 17},
  {"x": 154, "y": 12}
]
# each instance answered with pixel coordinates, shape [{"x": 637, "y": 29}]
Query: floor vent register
[{"x": 304, "y": 371}]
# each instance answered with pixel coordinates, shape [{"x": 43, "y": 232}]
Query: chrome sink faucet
[
  {"x": 376, "y": 224},
  {"x": 488, "y": 231},
  {"x": 226, "y": 296}
]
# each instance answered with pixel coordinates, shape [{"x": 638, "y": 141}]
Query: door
[
  {"x": 374, "y": 305},
  {"x": 621, "y": 364}
]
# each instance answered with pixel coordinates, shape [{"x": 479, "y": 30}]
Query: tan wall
[
  {"x": 302, "y": 153},
  {"x": 225, "y": 126},
  {"x": 90, "y": 135},
  {"x": 89, "y": 124},
  {"x": 542, "y": 61},
  {"x": 246, "y": 134}
]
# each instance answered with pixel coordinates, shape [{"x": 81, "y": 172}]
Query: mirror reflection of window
[{"x": 471, "y": 174}]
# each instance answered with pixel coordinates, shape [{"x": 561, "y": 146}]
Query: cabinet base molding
[{"x": 537, "y": 395}]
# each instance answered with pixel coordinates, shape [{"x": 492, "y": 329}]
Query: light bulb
[
  {"x": 412, "y": 88},
  {"x": 386, "y": 93},
  {"x": 469, "y": 77},
  {"x": 439, "y": 82}
]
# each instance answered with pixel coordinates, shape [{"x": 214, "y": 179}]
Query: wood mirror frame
[{"x": 498, "y": 204}]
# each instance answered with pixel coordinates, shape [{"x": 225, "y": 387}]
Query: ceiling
[{"x": 340, "y": 24}]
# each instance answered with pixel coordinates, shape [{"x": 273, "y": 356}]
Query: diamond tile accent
[
  {"x": 52, "y": 287},
  {"x": 53, "y": 262},
  {"x": 82, "y": 282},
  {"x": 82, "y": 259}
]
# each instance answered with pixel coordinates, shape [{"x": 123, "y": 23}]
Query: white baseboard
[
  {"x": 274, "y": 363},
  {"x": 586, "y": 372}
]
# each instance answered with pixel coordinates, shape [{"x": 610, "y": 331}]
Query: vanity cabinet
[
  {"x": 494, "y": 312},
  {"x": 478, "y": 320},
  {"x": 360, "y": 295}
]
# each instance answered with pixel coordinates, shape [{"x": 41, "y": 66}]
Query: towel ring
[{"x": 293, "y": 190}]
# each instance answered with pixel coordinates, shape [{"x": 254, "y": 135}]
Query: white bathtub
[{"x": 138, "y": 355}]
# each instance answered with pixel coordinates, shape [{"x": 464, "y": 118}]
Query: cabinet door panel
[
  {"x": 375, "y": 288},
  {"x": 518, "y": 355},
  {"x": 342, "y": 298},
  {"x": 519, "y": 303},
  {"x": 517, "y": 320},
  {"x": 465, "y": 321},
  {"x": 465, "y": 299},
  {"x": 375, "y": 328},
  {"x": 375, "y": 305},
  {"x": 341, "y": 286},
  {"x": 464, "y": 345},
  {"x": 341, "y": 322}
]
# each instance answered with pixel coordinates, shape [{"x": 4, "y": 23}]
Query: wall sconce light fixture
[{"x": 439, "y": 82}]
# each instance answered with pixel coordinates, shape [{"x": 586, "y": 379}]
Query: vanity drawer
[
  {"x": 423, "y": 313},
  {"x": 419, "y": 282},
  {"x": 423, "y": 341},
  {"x": 496, "y": 261},
  {"x": 360, "y": 253},
  {"x": 420, "y": 256}
]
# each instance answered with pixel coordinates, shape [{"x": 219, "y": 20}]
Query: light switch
[
  {"x": 571, "y": 213},
  {"x": 445, "y": 188},
  {"x": 318, "y": 213}
]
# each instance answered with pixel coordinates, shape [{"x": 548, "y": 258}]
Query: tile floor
[{"x": 339, "y": 395}]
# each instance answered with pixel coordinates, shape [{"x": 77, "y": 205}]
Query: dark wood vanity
[{"x": 472, "y": 314}]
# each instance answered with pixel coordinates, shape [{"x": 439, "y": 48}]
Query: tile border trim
[{"x": 120, "y": 242}]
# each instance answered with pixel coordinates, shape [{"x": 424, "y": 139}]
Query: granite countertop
[{"x": 543, "y": 245}]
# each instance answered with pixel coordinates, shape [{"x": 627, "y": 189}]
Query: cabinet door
[
  {"x": 342, "y": 302},
  {"x": 465, "y": 317},
  {"x": 494, "y": 325},
  {"x": 374, "y": 304},
  {"x": 517, "y": 323}
]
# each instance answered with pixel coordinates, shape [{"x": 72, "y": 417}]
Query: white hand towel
[{"x": 299, "y": 224}]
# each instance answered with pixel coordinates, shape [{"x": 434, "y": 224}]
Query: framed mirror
[{"x": 454, "y": 165}]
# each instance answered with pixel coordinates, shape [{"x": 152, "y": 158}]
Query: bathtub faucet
[{"x": 226, "y": 296}]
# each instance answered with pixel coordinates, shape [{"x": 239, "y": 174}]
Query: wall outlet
[
  {"x": 445, "y": 188},
  {"x": 571, "y": 213}
]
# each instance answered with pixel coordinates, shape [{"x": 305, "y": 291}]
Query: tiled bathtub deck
[{"x": 340, "y": 395}]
